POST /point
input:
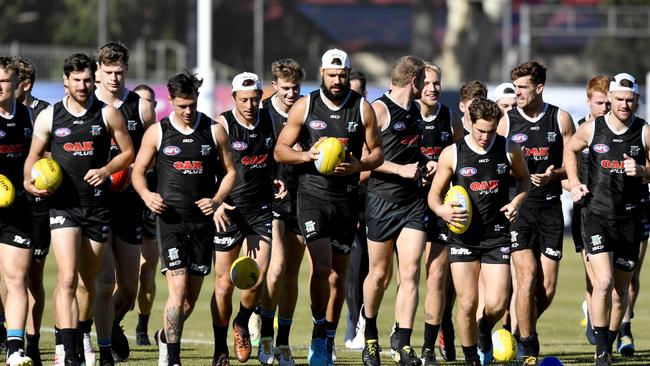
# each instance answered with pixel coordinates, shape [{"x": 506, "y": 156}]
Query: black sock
[
  {"x": 33, "y": 340},
  {"x": 85, "y": 326},
  {"x": 267, "y": 323},
  {"x": 601, "y": 334},
  {"x": 626, "y": 329},
  {"x": 611, "y": 337},
  {"x": 485, "y": 333},
  {"x": 69, "y": 340},
  {"x": 163, "y": 337},
  {"x": 14, "y": 344},
  {"x": 143, "y": 323},
  {"x": 371, "y": 331},
  {"x": 318, "y": 318},
  {"x": 404, "y": 336},
  {"x": 430, "y": 335},
  {"x": 220, "y": 339},
  {"x": 284, "y": 327},
  {"x": 330, "y": 328},
  {"x": 57, "y": 336},
  {"x": 243, "y": 315},
  {"x": 471, "y": 354},
  {"x": 174, "y": 353},
  {"x": 531, "y": 345},
  {"x": 105, "y": 352}
]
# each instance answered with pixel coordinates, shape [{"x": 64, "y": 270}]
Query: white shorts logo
[
  {"x": 172, "y": 254},
  {"x": 310, "y": 226},
  {"x": 60, "y": 220},
  {"x": 460, "y": 251},
  {"x": 553, "y": 253},
  {"x": 224, "y": 240},
  {"x": 596, "y": 240}
]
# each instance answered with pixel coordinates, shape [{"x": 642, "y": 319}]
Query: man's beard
[{"x": 345, "y": 89}]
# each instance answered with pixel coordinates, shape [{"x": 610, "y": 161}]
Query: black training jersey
[
  {"x": 38, "y": 106},
  {"x": 614, "y": 194},
  {"x": 485, "y": 177},
  {"x": 15, "y": 138},
  {"x": 286, "y": 172},
  {"x": 187, "y": 165},
  {"x": 252, "y": 152},
  {"x": 345, "y": 122},
  {"x": 401, "y": 145},
  {"x": 130, "y": 109},
  {"x": 542, "y": 143},
  {"x": 80, "y": 143},
  {"x": 583, "y": 162},
  {"x": 437, "y": 132}
]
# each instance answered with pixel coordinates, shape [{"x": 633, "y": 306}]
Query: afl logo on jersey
[
  {"x": 171, "y": 150},
  {"x": 62, "y": 132},
  {"x": 2, "y": 134},
  {"x": 601, "y": 148},
  {"x": 317, "y": 125},
  {"x": 467, "y": 171},
  {"x": 239, "y": 145},
  {"x": 399, "y": 126},
  {"x": 519, "y": 138}
]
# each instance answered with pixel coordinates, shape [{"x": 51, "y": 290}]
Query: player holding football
[
  {"x": 481, "y": 163},
  {"x": 328, "y": 205}
]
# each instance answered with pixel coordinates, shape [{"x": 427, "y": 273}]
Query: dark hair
[
  {"x": 144, "y": 87},
  {"x": 405, "y": 69},
  {"x": 472, "y": 89},
  {"x": 8, "y": 63},
  {"x": 79, "y": 62},
  {"x": 184, "y": 85},
  {"x": 113, "y": 52},
  {"x": 287, "y": 69},
  {"x": 358, "y": 75},
  {"x": 534, "y": 69},
  {"x": 25, "y": 69},
  {"x": 483, "y": 108}
]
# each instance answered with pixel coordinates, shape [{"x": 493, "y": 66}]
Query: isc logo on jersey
[
  {"x": 467, "y": 171},
  {"x": 519, "y": 138},
  {"x": 239, "y": 145},
  {"x": 600, "y": 148},
  {"x": 317, "y": 125},
  {"x": 62, "y": 132},
  {"x": 171, "y": 150}
]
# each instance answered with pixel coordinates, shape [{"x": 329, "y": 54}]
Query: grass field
[{"x": 560, "y": 332}]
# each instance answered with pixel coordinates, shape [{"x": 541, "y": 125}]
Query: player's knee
[
  {"x": 321, "y": 270},
  {"x": 526, "y": 282},
  {"x": 467, "y": 307},
  {"x": 602, "y": 284},
  {"x": 224, "y": 286}
]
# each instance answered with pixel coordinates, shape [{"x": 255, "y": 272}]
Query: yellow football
[
  {"x": 504, "y": 345},
  {"x": 331, "y": 154},
  {"x": 7, "y": 192},
  {"x": 244, "y": 272},
  {"x": 47, "y": 174},
  {"x": 459, "y": 194}
]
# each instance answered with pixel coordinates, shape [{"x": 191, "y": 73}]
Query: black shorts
[
  {"x": 93, "y": 221},
  {"x": 244, "y": 221},
  {"x": 488, "y": 255},
  {"x": 436, "y": 228},
  {"x": 621, "y": 237},
  {"x": 645, "y": 234},
  {"x": 540, "y": 228},
  {"x": 15, "y": 224},
  {"x": 40, "y": 227},
  {"x": 576, "y": 227},
  {"x": 126, "y": 215},
  {"x": 386, "y": 219},
  {"x": 335, "y": 219},
  {"x": 184, "y": 243},
  {"x": 285, "y": 210},
  {"x": 148, "y": 224}
]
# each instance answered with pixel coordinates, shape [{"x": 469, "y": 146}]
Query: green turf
[{"x": 559, "y": 329}]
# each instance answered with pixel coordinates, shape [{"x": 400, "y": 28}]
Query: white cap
[
  {"x": 615, "y": 84},
  {"x": 333, "y": 54},
  {"x": 246, "y": 81},
  {"x": 504, "y": 90}
]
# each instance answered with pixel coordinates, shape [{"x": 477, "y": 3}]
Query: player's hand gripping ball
[
  {"x": 47, "y": 174},
  {"x": 459, "y": 194},
  {"x": 244, "y": 272},
  {"x": 331, "y": 154},
  {"x": 7, "y": 192}
]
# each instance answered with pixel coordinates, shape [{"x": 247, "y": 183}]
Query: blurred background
[{"x": 468, "y": 39}]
